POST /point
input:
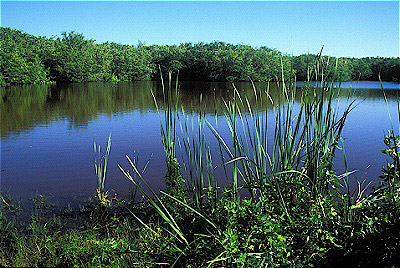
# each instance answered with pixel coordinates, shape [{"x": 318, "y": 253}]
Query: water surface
[{"x": 47, "y": 132}]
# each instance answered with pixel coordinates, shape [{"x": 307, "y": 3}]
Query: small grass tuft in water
[{"x": 100, "y": 165}]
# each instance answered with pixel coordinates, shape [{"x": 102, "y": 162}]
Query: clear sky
[{"x": 347, "y": 29}]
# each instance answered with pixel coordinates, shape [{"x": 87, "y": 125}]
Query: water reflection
[
  {"x": 24, "y": 106},
  {"x": 48, "y": 130}
]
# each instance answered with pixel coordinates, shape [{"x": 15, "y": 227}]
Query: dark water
[{"x": 47, "y": 132}]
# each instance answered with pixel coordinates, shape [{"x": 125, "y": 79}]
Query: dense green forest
[{"x": 27, "y": 59}]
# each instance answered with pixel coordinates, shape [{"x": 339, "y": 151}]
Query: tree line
[{"x": 27, "y": 59}]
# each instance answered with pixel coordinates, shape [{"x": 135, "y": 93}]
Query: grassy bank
[{"x": 284, "y": 204}]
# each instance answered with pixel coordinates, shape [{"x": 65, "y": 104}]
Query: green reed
[
  {"x": 305, "y": 136},
  {"x": 173, "y": 177},
  {"x": 283, "y": 157},
  {"x": 197, "y": 157},
  {"x": 100, "y": 165}
]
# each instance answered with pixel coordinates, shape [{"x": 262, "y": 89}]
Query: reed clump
[
  {"x": 297, "y": 209},
  {"x": 100, "y": 166}
]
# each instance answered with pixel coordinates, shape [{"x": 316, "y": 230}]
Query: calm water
[{"x": 47, "y": 132}]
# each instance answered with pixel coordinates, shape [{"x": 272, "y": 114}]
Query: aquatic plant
[
  {"x": 100, "y": 166},
  {"x": 291, "y": 175},
  {"x": 173, "y": 177}
]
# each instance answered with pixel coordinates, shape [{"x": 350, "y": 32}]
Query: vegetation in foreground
[
  {"x": 298, "y": 211},
  {"x": 27, "y": 59}
]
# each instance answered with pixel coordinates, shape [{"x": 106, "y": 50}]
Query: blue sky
[{"x": 348, "y": 29}]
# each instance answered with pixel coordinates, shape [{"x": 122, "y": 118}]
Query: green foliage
[
  {"x": 345, "y": 69},
  {"x": 219, "y": 61},
  {"x": 80, "y": 60},
  {"x": 174, "y": 180},
  {"x": 130, "y": 63},
  {"x": 26, "y": 59},
  {"x": 391, "y": 173},
  {"x": 19, "y": 60}
]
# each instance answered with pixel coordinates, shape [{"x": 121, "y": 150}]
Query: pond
[{"x": 47, "y": 132}]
